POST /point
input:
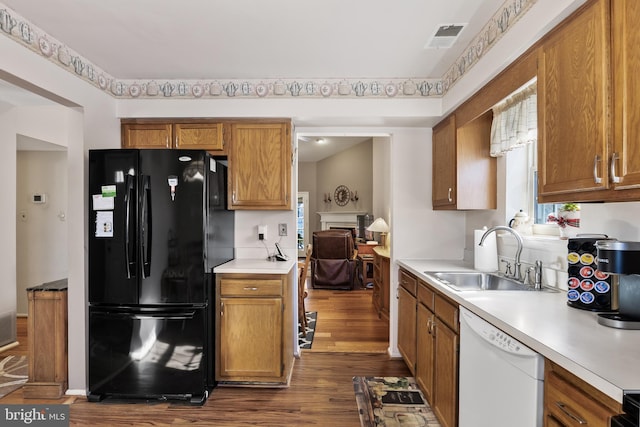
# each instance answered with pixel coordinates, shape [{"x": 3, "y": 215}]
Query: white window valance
[{"x": 515, "y": 121}]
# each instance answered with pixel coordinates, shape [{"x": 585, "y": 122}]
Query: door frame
[{"x": 305, "y": 222}]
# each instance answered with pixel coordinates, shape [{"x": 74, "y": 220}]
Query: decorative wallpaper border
[{"x": 22, "y": 31}]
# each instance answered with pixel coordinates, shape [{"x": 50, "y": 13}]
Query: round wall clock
[{"x": 342, "y": 195}]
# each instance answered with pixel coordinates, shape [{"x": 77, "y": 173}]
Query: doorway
[
  {"x": 26, "y": 114},
  {"x": 41, "y": 228},
  {"x": 360, "y": 163}
]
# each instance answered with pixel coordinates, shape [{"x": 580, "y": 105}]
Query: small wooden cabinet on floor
[
  {"x": 254, "y": 328},
  {"x": 381, "y": 278},
  {"x": 47, "y": 341}
]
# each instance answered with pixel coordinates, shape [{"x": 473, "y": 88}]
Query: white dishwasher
[{"x": 501, "y": 379}]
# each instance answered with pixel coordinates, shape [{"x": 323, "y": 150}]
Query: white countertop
[
  {"x": 256, "y": 266},
  {"x": 607, "y": 358}
]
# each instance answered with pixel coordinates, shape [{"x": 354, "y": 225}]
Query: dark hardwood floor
[{"x": 350, "y": 341}]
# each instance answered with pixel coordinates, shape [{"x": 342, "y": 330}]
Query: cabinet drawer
[
  {"x": 408, "y": 282},
  {"x": 571, "y": 406},
  {"x": 248, "y": 288},
  {"x": 447, "y": 312},
  {"x": 426, "y": 295},
  {"x": 570, "y": 401}
]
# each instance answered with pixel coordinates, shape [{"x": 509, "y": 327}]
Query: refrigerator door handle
[
  {"x": 127, "y": 224},
  {"x": 174, "y": 315},
  {"x": 145, "y": 240}
]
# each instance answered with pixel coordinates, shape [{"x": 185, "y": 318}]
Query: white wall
[
  {"x": 382, "y": 178},
  {"x": 41, "y": 243},
  {"x": 90, "y": 121},
  {"x": 8, "y": 218},
  {"x": 352, "y": 167}
]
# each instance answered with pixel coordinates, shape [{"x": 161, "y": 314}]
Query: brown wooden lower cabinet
[
  {"x": 407, "y": 318},
  {"x": 254, "y": 328},
  {"x": 428, "y": 339},
  {"x": 570, "y": 401},
  {"x": 425, "y": 353},
  {"x": 445, "y": 379}
]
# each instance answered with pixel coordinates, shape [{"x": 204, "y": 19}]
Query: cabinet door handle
[
  {"x": 449, "y": 195},
  {"x": 614, "y": 178},
  {"x": 576, "y": 418},
  {"x": 597, "y": 179}
]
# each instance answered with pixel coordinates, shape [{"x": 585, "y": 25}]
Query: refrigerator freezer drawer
[{"x": 148, "y": 353}]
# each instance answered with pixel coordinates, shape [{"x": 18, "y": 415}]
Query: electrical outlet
[
  {"x": 262, "y": 232},
  {"x": 282, "y": 229}
]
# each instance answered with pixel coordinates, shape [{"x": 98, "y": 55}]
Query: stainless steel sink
[{"x": 478, "y": 281}]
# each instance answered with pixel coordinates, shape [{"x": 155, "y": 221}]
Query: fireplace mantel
[{"x": 339, "y": 219}]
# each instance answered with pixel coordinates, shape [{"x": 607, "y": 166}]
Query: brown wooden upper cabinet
[
  {"x": 588, "y": 92},
  {"x": 573, "y": 74},
  {"x": 199, "y": 136},
  {"x": 189, "y": 135},
  {"x": 444, "y": 193},
  {"x": 260, "y": 163},
  {"x": 464, "y": 175},
  {"x": 147, "y": 135}
]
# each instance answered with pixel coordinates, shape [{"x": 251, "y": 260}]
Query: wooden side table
[
  {"x": 47, "y": 338},
  {"x": 367, "y": 264}
]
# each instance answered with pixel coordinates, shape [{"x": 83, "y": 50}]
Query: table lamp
[{"x": 379, "y": 226}]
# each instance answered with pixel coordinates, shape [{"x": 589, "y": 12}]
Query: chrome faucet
[
  {"x": 537, "y": 281},
  {"x": 537, "y": 275},
  {"x": 516, "y": 271}
]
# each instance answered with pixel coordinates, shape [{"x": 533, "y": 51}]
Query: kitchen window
[{"x": 514, "y": 134}]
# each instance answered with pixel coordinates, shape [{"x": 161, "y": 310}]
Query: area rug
[
  {"x": 392, "y": 402},
  {"x": 14, "y": 372},
  {"x": 305, "y": 342}
]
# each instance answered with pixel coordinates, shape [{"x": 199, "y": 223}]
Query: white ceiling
[
  {"x": 195, "y": 39},
  {"x": 257, "y": 39},
  {"x": 316, "y": 148}
]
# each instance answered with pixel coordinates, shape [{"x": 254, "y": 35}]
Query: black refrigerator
[{"x": 158, "y": 225}]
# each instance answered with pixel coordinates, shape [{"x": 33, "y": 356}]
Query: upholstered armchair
[{"x": 333, "y": 260}]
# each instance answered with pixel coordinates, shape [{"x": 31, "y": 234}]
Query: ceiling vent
[{"x": 445, "y": 36}]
